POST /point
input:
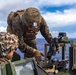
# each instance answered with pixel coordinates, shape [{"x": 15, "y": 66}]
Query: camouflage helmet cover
[
  {"x": 31, "y": 14},
  {"x": 8, "y": 42}
]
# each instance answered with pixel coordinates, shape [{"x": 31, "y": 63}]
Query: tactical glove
[
  {"x": 37, "y": 55},
  {"x": 58, "y": 48},
  {"x": 55, "y": 41}
]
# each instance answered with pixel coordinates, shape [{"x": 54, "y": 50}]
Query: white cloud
[
  {"x": 59, "y": 19},
  {"x": 17, "y": 4},
  {"x": 72, "y": 35},
  {"x": 55, "y": 2},
  {"x": 56, "y": 19},
  {"x": 7, "y": 6},
  {"x": 3, "y": 23},
  {"x": 55, "y": 34},
  {"x": 22, "y": 3},
  {"x": 2, "y": 29},
  {"x": 69, "y": 35}
]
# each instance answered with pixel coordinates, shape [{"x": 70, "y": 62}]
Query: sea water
[{"x": 40, "y": 46}]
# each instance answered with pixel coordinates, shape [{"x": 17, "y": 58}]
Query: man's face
[{"x": 10, "y": 55}]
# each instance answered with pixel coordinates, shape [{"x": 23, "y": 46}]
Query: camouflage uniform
[
  {"x": 8, "y": 42},
  {"x": 26, "y": 24}
]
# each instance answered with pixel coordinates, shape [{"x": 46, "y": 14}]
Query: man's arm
[{"x": 45, "y": 31}]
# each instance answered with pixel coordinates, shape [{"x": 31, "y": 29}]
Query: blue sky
[{"x": 60, "y": 15}]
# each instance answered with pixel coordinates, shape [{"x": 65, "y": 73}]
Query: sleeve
[
  {"x": 9, "y": 29},
  {"x": 9, "y": 22},
  {"x": 17, "y": 30},
  {"x": 45, "y": 31}
]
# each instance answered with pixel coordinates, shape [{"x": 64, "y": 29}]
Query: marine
[
  {"x": 8, "y": 45},
  {"x": 26, "y": 24}
]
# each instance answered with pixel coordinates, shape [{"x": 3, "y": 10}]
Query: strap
[{"x": 4, "y": 60}]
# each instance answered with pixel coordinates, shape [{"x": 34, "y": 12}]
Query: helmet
[
  {"x": 8, "y": 42},
  {"x": 31, "y": 15}
]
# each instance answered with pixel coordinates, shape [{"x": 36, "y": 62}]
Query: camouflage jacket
[{"x": 26, "y": 42}]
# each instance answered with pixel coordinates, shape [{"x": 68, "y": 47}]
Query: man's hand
[
  {"x": 38, "y": 54},
  {"x": 58, "y": 48},
  {"x": 55, "y": 41}
]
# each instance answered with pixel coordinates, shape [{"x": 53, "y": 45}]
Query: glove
[
  {"x": 37, "y": 55},
  {"x": 58, "y": 48},
  {"x": 55, "y": 40}
]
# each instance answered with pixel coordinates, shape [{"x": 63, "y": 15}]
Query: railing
[
  {"x": 71, "y": 54},
  {"x": 74, "y": 56}
]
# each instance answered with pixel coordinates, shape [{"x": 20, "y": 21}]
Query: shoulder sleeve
[
  {"x": 45, "y": 31},
  {"x": 9, "y": 22}
]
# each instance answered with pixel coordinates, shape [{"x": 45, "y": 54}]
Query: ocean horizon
[{"x": 40, "y": 47}]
